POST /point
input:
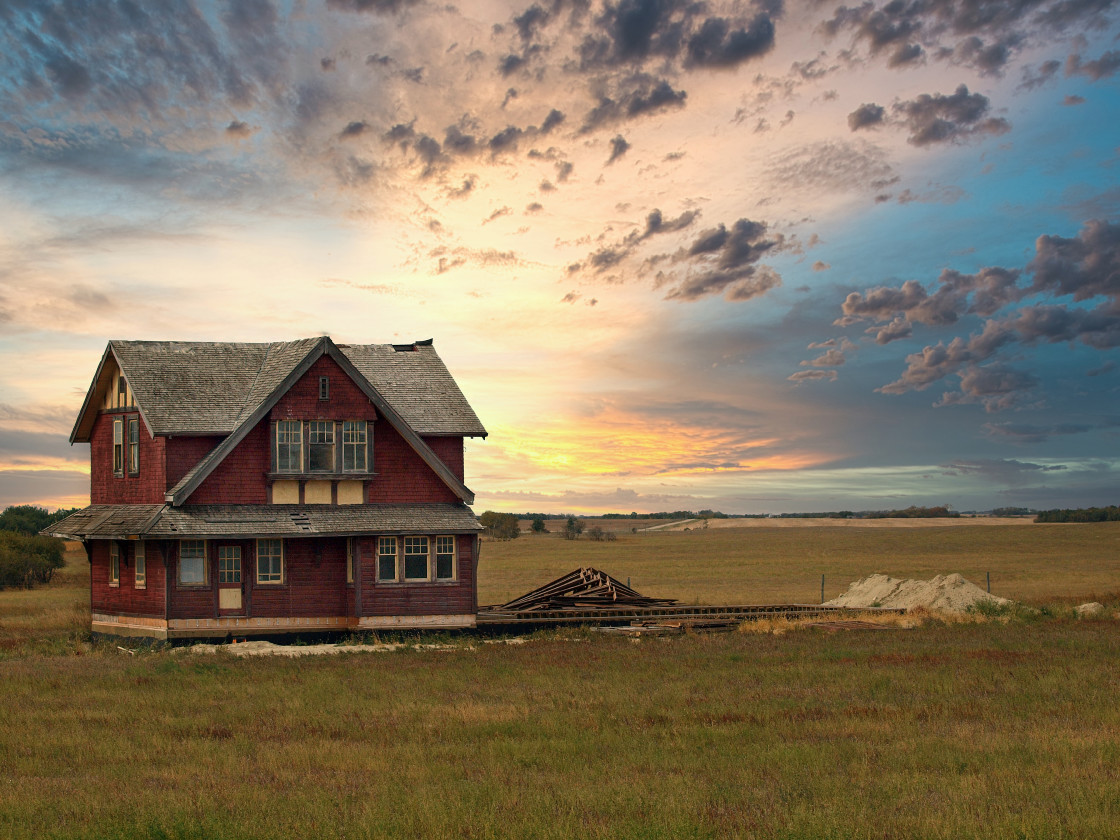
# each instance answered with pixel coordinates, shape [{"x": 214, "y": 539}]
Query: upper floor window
[
  {"x": 289, "y": 446},
  {"x": 320, "y": 444},
  {"x": 122, "y": 392},
  {"x": 134, "y": 446},
  {"x": 324, "y": 387},
  {"x": 354, "y": 446},
  {"x": 118, "y": 447}
]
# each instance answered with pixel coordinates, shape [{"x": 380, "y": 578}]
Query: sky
[{"x": 754, "y": 257}]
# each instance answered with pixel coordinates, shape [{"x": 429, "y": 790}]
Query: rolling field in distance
[{"x": 986, "y": 728}]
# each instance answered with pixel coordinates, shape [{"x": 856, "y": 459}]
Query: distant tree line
[
  {"x": 1093, "y": 514},
  {"x": 26, "y": 558}
]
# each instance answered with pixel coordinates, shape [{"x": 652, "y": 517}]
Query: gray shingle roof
[
  {"x": 189, "y": 387},
  {"x": 212, "y": 521}
]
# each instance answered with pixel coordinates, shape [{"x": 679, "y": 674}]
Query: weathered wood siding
[
  {"x": 126, "y": 599},
  {"x": 108, "y": 489},
  {"x": 184, "y": 452},
  {"x": 428, "y": 598}
]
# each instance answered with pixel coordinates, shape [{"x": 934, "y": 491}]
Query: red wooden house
[{"x": 289, "y": 487}]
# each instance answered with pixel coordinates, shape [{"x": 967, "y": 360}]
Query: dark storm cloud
[
  {"x": 936, "y": 118},
  {"x": 1083, "y": 268},
  {"x": 865, "y": 116}
]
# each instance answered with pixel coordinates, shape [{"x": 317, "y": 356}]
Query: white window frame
[
  {"x": 229, "y": 552},
  {"x": 415, "y": 542},
  {"x": 454, "y": 556},
  {"x": 293, "y": 442},
  {"x": 114, "y": 563},
  {"x": 321, "y": 429},
  {"x": 382, "y": 544},
  {"x": 118, "y": 447},
  {"x": 355, "y": 442},
  {"x": 140, "y": 567},
  {"x": 192, "y": 546},
  {"x": 271, "y": 577}
]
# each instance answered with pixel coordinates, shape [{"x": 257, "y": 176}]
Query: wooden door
[{"x": 230, "y": 580}]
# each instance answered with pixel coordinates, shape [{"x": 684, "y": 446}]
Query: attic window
[
  {"x": 324, "y": 387},
  {"x": 122, "y": 393}
]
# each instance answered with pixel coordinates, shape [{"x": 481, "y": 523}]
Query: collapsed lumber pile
[{"x": 583, "y": 589}]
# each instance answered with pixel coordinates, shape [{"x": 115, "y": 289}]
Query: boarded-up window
[
  {"x": 289, "y": 446},
  {"x": 387, "y": 558},
  {"x": 270, "y": 561},
  {"x": 415, "y": 558},
  {"x": 140, "y": 578},
  {"x": 114, "y": 564},
  {"x": 445, "y": 558},
  {"x": 320, "y": 442},
  {"x": 192, "y": 562},
  {"x": 354, "y": 446}
]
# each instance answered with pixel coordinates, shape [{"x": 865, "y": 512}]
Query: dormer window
[
  {"x": 289, "y": 446},
  {"x": 321, "y": 446}
]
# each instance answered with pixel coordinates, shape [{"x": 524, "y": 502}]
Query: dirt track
[{"x": 963, "y": 521}]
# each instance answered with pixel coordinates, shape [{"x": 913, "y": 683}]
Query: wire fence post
[
  {"x": 989, "y": 583},
  {"x": 822, "y": 589}
]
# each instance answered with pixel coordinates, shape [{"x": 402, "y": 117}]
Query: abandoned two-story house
[{"x": 288, "y": 487}]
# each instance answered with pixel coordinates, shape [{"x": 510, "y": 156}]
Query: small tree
[
  {"x": 538, "y": 525},
  {"x": 572, "y": 528},
  {"x": 500, "y": 526},
  {"x": 28, "y": 560}
]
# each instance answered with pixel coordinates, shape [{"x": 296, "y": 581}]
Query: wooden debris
[{"x": 580, "y": 590}]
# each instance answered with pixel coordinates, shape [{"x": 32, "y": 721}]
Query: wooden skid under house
[{"x": 287, "y": 487}]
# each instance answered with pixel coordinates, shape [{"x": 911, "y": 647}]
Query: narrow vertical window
[
  {"x": 445, "y": 558},
  {"x": 114, "y": 564},
  {"x": 387, "y": 558},
  {"x": 118, "y": 447},
  {"x": 122, "y": 392},
  {"x": 289, "y": 446},
  {"x": 140, "y": 579},
  {"x": 350, "y": 560},
  {"x": 324, "y": 387},
  {"x": 270, "y": 561},
  {"x": 192, "y": 562},
  {"x": 354, "y": 446},
  {"x": 320, "y": 445},
  {"x": 134, "y": 446},
  {"x": 416, "y": 558}
]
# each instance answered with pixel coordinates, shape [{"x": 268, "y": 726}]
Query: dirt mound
[{"x": 948, "y": 593}]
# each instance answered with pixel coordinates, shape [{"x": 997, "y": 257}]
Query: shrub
[
  {"x": 572, "y": 528},
  {"x": 538, "y": 525},
  {"x": 28, "y": 560}
]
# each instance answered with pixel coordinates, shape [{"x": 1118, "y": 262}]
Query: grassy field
[{"x": 997, "y": 728}]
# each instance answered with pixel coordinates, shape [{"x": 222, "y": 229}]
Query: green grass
[{"x": 1004, "y": 726}]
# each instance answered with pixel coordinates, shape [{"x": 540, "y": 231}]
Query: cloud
[
  {"x": 619, "y": 147},
  {"x": 936, "y": 118},
  {"x": 239, "y": 129},
  {"x": 373, "y": 6},
  {"x": 718, "y": 44},
  {"x": 1024, "y": 433},
  {"x": 1097, "y": 69},
  {"x": 1037, "y": 78},
  {"x": 1002, "y": 471},
  {"x": 641, "y": 95},
  {"x": 866, "y": 116},
  {"x": 812, "y": 376}
]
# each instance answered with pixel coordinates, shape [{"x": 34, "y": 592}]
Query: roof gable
[{"x": 249, "y": 417}]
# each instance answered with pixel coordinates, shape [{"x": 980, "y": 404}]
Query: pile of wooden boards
[{"x": 583, "y": 589}]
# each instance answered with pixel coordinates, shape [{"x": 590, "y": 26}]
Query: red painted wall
[
  {"x": 126, "y": 599},
  {"x": 402, "y": 475},
  {"x": 347, "y": 401},
  {"x": 450, "y": 451},
  {"x": 455, "y": 598},
  {"x": 182, "y": 453},
  {"x": 106, "y": 488},
  {"x": 242, "y": 477}
]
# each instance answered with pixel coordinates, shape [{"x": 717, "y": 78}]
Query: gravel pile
[{"x": 947, "y": 593}]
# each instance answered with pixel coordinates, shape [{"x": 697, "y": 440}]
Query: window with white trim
[
  {"x": 289, "y": 446},
  {"x": 354, "y": 447},
  {"x": 140, "y": 565},
  {"x": 270, "y": 561},
  {"x": 320, "y": 446},
  {"x": 134, "y": 446},
  {"x": 416, "y": 558},
  {"x": 114, "y": 563},
  {"x": 192, "y": 563},
  {"x": 386, "y": 558},
  {"x": 445, "y": 558},
  {"x": 118, "y": 447}
]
